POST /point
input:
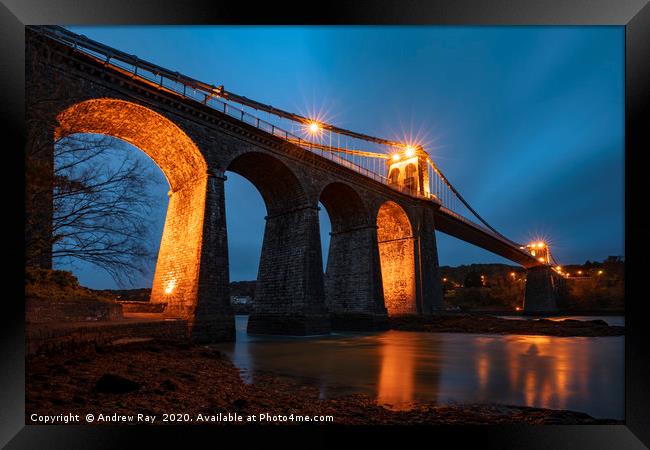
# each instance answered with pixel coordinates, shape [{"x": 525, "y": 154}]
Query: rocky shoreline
[
  {"x": 486, "y": 324},
  {"x": 156, "y": 377}
]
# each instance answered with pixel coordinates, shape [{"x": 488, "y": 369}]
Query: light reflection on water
[{"x": 397, "y": 367}]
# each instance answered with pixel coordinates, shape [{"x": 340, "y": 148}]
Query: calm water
[{"x": 397, "y": 367}]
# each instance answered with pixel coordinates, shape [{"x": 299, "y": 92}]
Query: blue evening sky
[{"x": 527, "y": 122}]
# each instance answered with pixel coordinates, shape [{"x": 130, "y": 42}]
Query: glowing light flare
[
  {"x": 170, "y": 287},
  {"x": 318, "y": 118},
  {"x": 600, "y": 272},
  {"x": 410, "y": 151},
  {"x": 314, "y": 127},
  {"x": 541, "y": 243},
  {"x": 396, "y": 157},
  {"x": 414, "y": 137}
]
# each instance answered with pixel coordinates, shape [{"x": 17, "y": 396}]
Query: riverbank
[
  {"x": 559, "y": 313},
  {"x": 158, "y": 377},
  {"x": 482, "y": 323}
]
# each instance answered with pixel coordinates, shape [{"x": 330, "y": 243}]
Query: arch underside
[
  {"x": 177, "y": 269},
  {"x": 278, "y": 186},
  {"x": 397, "y": 257}
]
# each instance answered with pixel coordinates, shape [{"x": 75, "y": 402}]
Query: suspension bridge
[{"x": 101, "y": 80}]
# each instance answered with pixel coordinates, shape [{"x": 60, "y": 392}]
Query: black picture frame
[{"x": 634, "y": 15}]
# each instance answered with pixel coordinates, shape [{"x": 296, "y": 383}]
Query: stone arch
[
  {"x": 410, "y": 170},
  {"x": 397, "y": 257},
  {"x": 410, "y": 175},
  {"x": 289, "y": 294},
  {"x": 344, "y": 206},
  {"x": 278, "y": 185},
  {"x": 163, "y": 141},
  {"x": 176, "y": 277},
  {"x": 393, "y": 177}
]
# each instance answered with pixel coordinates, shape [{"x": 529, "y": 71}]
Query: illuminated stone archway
[
  {"x": 176, "y": 278},
  {"x": 397, "y": 257}
]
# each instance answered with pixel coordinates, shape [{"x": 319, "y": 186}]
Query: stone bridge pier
[
  {"x": 541, "y": 290},
  {"x": 429, "y": 291},
  {"x": 353, "y": 288},
  {"x": 191, "y": 275},
  {"x": 353, "y": 280},
  {"x": 289, "y": 294},
  {"x": 290, "y": 298}
]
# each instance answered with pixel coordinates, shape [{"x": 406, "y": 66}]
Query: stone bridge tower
[{"x": 407, "y": 171}]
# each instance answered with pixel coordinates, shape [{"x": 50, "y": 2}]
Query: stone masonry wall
[
  {"x": 71, "y": 310},
  {"x": 56, "y": 338}
]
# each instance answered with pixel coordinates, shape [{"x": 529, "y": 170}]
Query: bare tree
[
  {"x": 87, "y": 197},
  {"x": 102, "y": 205}
]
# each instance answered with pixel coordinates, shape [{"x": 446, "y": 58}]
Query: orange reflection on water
[
  {"x": 580, "y": 374},
  {"x": 483, "y": 369},
  {"x": 546, "y": 370},
  {"x": 396, "y": 375}
]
